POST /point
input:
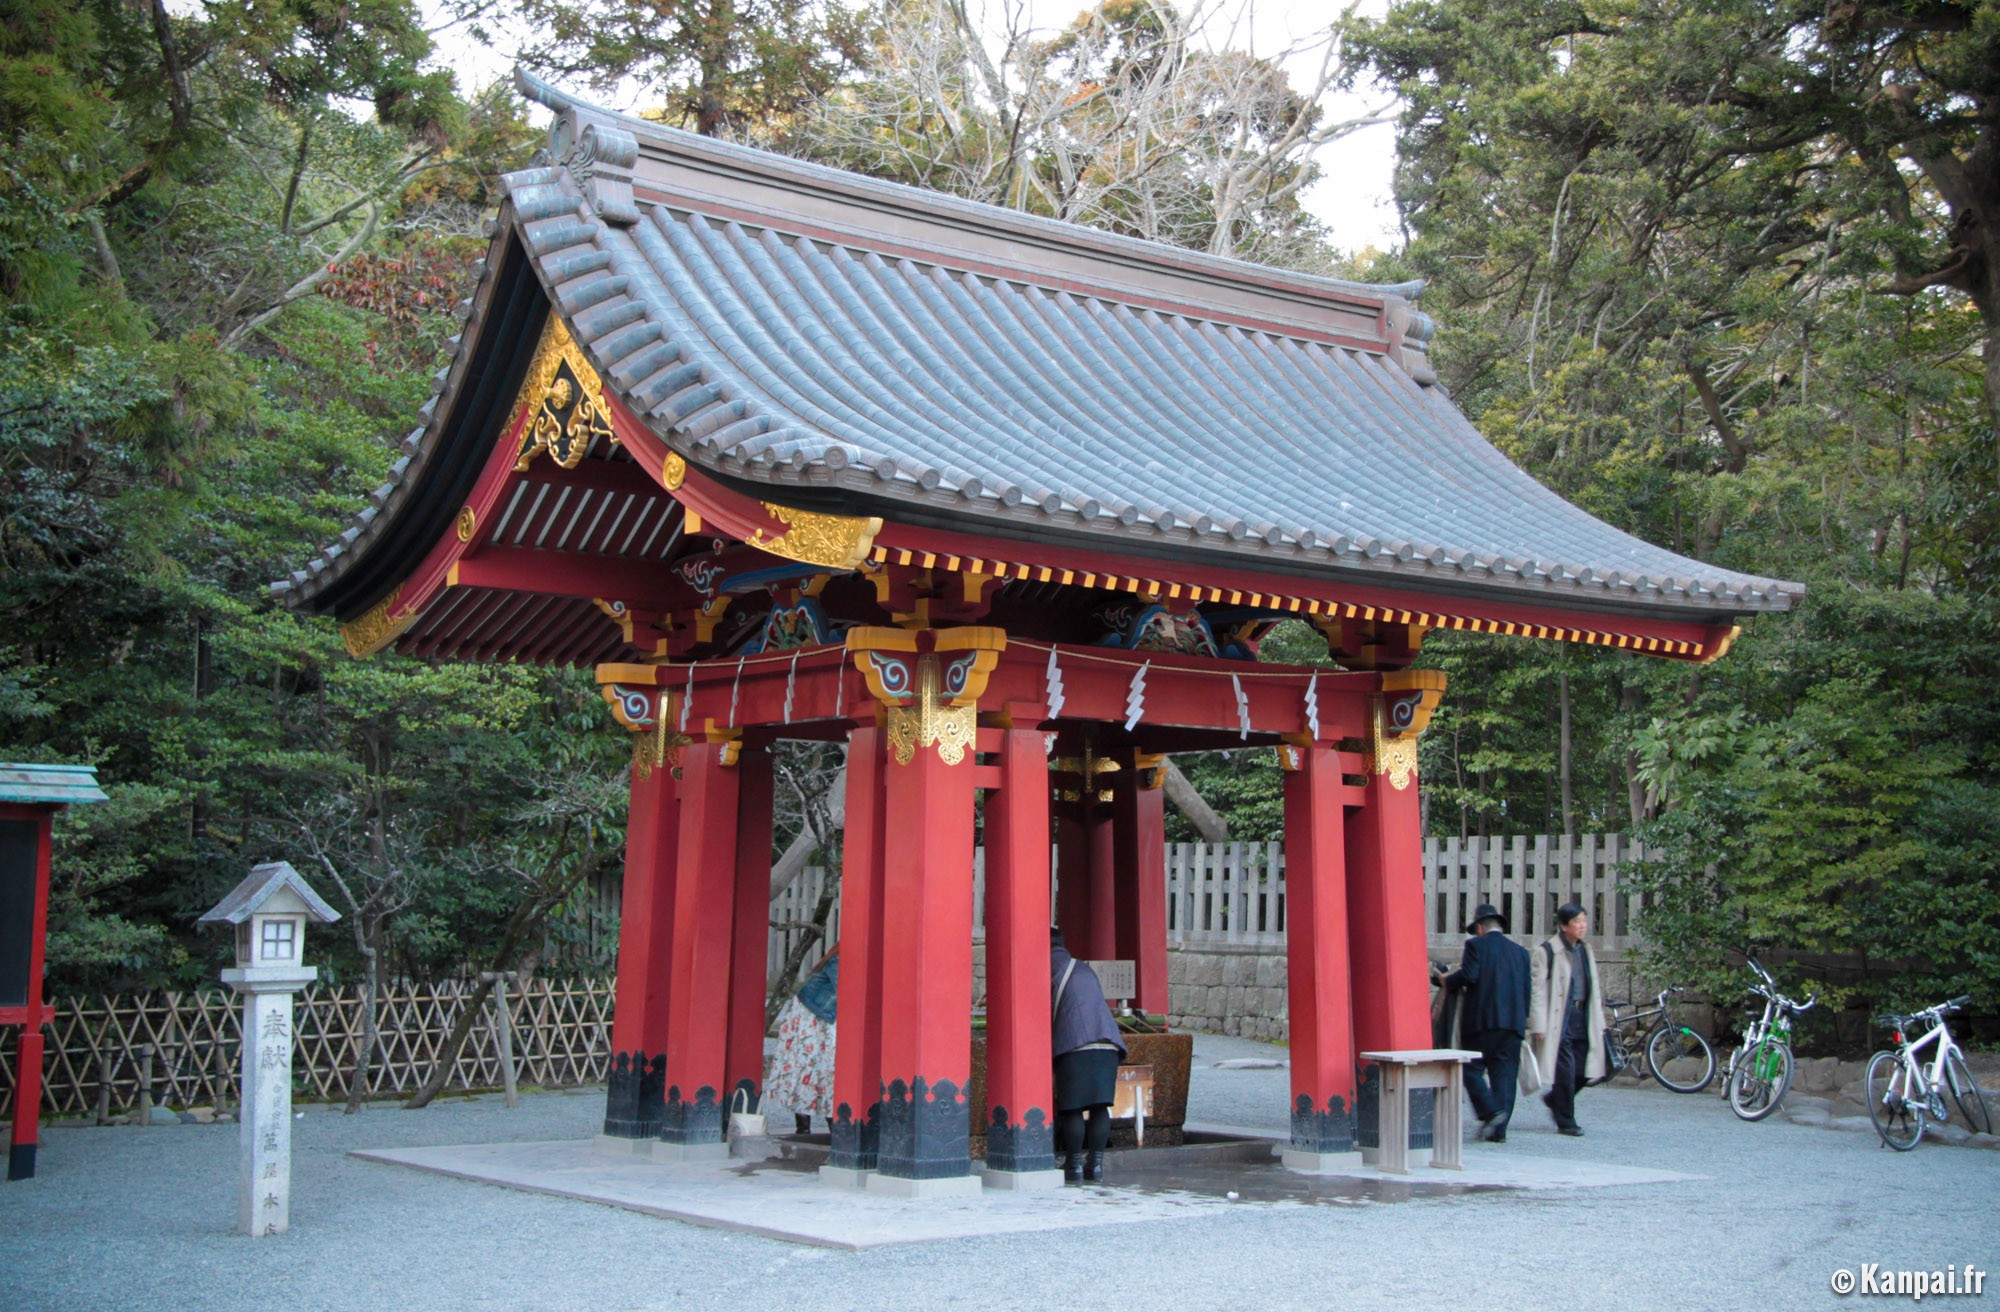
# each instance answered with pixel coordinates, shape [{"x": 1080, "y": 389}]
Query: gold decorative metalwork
[
  {"x": 1088, "y": 770},
  {"x": 951, "y": 729},
  {"x": 1389, "y": 754},
  {"x": 370, "y": 633},
  {"x": 468, "y": 523},
  {"x": 673, "y": 471},
  {"x": 835, "y": 541},
  {"x": 565, "y": 438}
]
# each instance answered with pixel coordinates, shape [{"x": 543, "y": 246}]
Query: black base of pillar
[
  {"x": 635, "y": 1096},
  {"x": 925, "y": 1133},
  {"x": 856, "y": 1145},
  {"x": 21, "y": 1162},
  {"x": 1328, "y": 1130},
  {"x": 699, "y": 1121},
  {"x": 1368, "y": 1111},
  {"x": 1028, "y": 1146}
]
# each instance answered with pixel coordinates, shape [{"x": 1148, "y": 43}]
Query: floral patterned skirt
[{"x": 802, "y": 1070}]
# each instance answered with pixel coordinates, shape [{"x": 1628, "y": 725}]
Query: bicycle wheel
[
  {"x": 1898, "y": 1118},
  {"x": 1762, "y": 1076},
  {"x": 1965, "y": 1092},
  {"x": 1679, "y": 1058}
]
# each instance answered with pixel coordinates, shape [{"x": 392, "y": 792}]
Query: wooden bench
[{"x": 1419, "y": 1068}]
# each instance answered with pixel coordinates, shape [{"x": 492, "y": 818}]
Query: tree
[
  {"x": 720, "y": 66},
  {"x": 1124, "y": 120},
  {"x": 1693, "y": 266}
]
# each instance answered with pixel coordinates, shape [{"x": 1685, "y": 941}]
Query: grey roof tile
[{"x": 789, "y": 357}]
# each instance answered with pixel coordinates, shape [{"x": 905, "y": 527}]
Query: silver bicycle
[
  {"x": 1760, "y": 1071},
  {"x": 1903, "y": 1096}
]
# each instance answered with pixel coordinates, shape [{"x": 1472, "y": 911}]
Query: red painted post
[
  {"x": 1385, "y": 917},
  {"x": 1099, "y": 941},
  {"x": 926, "y": 968},
  {"x": 636, "y": 1094},
  {"x": 1320, "y": 987},
  {"x": 703, "y": 904},
  {"x": 857, "y": 1056},
  {"x": 1074, "y": 894},
  {"x": 1139, "y": 830},
  {"x": 1020, "y": 1096},
  {"x": 743, "y": 1067},
  {"x": 32, "y": 1014}
]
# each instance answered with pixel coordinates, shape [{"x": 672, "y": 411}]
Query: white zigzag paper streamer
[
  {"x": 1135, "y": 697},
  {"x": 1242, "y": 708},
  {"x": 734, "y": 684},
  {"x": 687, "y": 698},
  {"x": 1312, "y": 706},
  {"x": 791, "y": 684},
  {"x": 1052, "y": 678}
]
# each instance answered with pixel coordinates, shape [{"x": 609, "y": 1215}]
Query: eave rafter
[{"x": 561, "y": 439}]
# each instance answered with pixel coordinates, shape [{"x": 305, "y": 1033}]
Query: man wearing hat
[{"x": 1493, "y": 1015}]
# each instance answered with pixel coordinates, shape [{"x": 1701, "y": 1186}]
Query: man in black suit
[{"x": 1493, "y": 1016}]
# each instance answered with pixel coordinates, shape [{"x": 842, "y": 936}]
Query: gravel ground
[{"x": 130, "y": 1218}]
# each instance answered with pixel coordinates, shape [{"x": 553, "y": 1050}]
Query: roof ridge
[{"x": 1407, "y": 327}]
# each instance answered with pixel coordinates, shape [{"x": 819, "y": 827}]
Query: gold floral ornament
[
  {"x": 929, "y": 722},
  {"x": 1398, "y": 718},
  {"x": 928, "y": 700},
  {"x": 835, "y": 541},
  {"x": 367, "y": 634},
  {"x": 569, "y": 412}
]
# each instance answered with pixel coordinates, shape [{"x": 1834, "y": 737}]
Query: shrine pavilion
[{"x": 1005, "y": 506}]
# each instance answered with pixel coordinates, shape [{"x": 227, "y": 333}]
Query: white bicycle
[{"x": 1903, "y": 1096}]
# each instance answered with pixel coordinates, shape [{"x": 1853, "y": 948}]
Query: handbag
[{"x": 1531, "y": 1070}]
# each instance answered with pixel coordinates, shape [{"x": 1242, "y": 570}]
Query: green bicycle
[{"x": 1760, "y": 1071}]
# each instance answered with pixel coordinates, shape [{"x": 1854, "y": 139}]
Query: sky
[{"x": 1353, "y": 197}]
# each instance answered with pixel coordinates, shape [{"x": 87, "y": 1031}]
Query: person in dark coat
[
  {"x": 1087, "y": 1050},
  {"x": 1493, "y": 982}
]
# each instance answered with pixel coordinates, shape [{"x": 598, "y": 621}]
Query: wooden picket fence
[
  {"x": 1226, "y": 894},
  {"x": 1234, "y": 893},
  {"x": 561, "y": 1032}
]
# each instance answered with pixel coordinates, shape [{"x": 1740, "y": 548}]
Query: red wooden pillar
[
  {"x": 704, "y": 902},
  {"x": 1139, "y": 842},
  {"x": 857, "y": 1055},
  {"x": 636, "y": 1095},
  {"x": 1385, "y": 916},
  {"x": 1316, "y": 963},
  {"x": 750, "y": 933},
  {"x": 24, "y": 909},
  {"x": 926, "y": 972},
  {"x": 1020, "y": 1095}
]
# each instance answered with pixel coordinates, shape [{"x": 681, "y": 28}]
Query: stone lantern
[{"x": 270, "y": 911}]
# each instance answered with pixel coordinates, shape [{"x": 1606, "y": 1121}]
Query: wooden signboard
[{"x": 20, "y": 847}]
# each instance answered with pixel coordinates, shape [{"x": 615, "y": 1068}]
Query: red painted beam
[
  {"x": 1110, "y": 565},
  {"x": 648, "y": 584}
]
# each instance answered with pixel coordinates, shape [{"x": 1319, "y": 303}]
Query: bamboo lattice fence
[{"x": 562, "y": 1036}]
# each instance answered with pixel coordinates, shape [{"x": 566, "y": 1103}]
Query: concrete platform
[{"x": 783, "y": 1198}]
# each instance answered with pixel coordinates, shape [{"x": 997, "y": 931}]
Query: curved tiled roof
[{"x": 1131, "y": 400}]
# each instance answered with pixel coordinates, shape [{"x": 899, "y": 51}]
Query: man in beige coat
[{"x": 1566, "y": 1015}]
